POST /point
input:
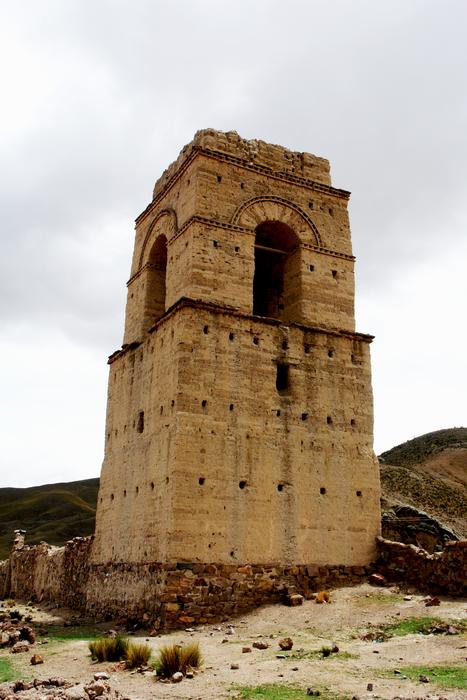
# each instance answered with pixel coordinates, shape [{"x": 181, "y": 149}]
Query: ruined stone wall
[
  {"x": 45, "y": 573},
  {"x": 442, "y": 572},
  {"x": 4, "y": 578}
]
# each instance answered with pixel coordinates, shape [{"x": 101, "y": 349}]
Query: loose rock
[
  {"x": 101, "y": 676},
  {"x": 429, "y": 602},
  {"x": 36, "y": 659},
  {"x": 260, "y": 645},
  {"x": 295, "y": 600},
  {"x": 286, "y": 643}
]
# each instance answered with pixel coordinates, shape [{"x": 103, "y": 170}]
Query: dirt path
[{"x": 311, "y": 626}]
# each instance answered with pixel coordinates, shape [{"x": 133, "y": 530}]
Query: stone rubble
[{"x": 58, "y": 689}]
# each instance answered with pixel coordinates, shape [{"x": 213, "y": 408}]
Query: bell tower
[{"x": 240, "y": 419}]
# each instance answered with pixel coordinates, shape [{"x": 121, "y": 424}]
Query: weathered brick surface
[{"x": 227, "y": 468}]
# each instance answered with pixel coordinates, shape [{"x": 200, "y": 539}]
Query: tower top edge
[{"x": 252, "y": 152}]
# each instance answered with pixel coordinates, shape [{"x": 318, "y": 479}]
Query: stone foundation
[
  {"x": 167, "y": 595},
  {"x": 177, "y": 595},
  {"x": 442, "y": 572}
]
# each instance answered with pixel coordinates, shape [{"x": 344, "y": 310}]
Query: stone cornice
[
  {"x": 186, "y": 302},
  {"x": 247, "y": 165}
]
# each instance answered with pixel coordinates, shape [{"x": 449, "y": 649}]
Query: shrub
[
  {"x": 109, "y": 648},
  {"x": 174, "y": 657},
  {"x": 137, "y": 655}
]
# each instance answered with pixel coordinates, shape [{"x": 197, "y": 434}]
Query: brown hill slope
[{"x": 430, "y": 474}]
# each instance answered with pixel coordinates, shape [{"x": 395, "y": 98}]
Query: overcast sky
[{"x": 99, "y": 96}]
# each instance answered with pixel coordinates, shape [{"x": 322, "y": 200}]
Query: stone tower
[{"x": 240, "y": 417}]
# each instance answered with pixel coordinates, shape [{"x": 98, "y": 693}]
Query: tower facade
[{"x": 240, "y": 416}]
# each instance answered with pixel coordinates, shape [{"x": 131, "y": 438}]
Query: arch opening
[
  {"x": 277, "y": 270},
  {"x": 156, "y": 279}
]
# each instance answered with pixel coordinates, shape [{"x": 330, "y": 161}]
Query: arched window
[
  {"x": 276, "y": 278},
  {"x": 155, "y": 285}
]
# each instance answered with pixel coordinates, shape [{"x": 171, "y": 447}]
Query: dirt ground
[{"x": 311, "y": 626}]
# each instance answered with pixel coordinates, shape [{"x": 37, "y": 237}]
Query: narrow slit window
[
  {"x": 282, "y": 377},
  {"x": 140, "y": 426}
]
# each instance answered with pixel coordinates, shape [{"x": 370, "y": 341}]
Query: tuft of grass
[
  {"x": 275, "y": 691},
  {"x": 444, "y": 676},
  {"x": 109, "y": 648},
  {"x": 175, "y": 657},
  {"x": 190, "y": 657},
  {"x": 137, "y": 655},
  {"x": 7, "y": 672}
]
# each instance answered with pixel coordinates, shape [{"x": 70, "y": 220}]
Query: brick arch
[
  {"x": 169, "y": 227},
  {"x": 271, "y": 208}
]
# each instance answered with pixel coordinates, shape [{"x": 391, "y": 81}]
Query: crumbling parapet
[{"x": 442, "y": 572}]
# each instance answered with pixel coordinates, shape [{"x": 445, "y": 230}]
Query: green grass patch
[
  {"x": 7, "y": 672},
  {"x": 275, "y": 691},
  {"x": 318, "y": 654},
  {"x": 444, "y": 676},
  {"x": 58, "y": 633},
  {"x": 269, "y": 691},
  {"x": 420, "y": 625},
  {"x": 414, "y": 625}
]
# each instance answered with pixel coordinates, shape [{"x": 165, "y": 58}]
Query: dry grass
[
  {"x": 175, "y": 657},
  {"x": 137, "y": 655},
  {"x": 109, "y": 648}
]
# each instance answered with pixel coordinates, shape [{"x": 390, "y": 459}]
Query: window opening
[
  {"x": 156, "y": 279},
  {"x": 274, "y": 278},
  {"x": 282, "y": 377}
]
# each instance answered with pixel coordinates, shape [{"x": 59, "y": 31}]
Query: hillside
[
  {"x": 429, "y": 473},
  {"x": 53, "y": 512}
]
